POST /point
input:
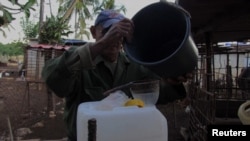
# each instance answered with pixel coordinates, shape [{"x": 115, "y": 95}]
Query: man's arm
[{"x": 62, "y": 73}]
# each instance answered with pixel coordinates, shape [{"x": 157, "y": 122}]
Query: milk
[{"x": 122, "y": 123}]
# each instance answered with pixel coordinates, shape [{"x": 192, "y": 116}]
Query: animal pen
[
  {"x": 218, "y": 88},
  {"x": 221, "y": 80},
  {"x": 25, "y": 98}
]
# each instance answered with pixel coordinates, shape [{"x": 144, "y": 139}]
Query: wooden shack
[{"x": 37, "y": 54}]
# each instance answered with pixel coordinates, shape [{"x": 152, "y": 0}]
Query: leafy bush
[
  {"x": 30, "y": 29},
  {"x": 53, "y": 29},
  {"x": 12, "y": 49}
]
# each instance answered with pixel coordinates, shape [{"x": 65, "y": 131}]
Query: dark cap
[{"x": 108, "y": 17}]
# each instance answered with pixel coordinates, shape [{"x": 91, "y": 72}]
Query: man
[{"x": 84, "y": 73}]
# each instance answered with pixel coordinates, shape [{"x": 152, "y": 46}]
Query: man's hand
[{"x": 120, "y": 31}]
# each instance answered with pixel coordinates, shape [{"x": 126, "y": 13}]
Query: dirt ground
[{"x": 52, "y": 129}]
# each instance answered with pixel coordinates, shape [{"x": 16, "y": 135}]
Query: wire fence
[{"x": 24, "y": 103}]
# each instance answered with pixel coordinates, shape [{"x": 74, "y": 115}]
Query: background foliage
[
  {"x": 56, "y": 26},
  {"x": 12, "y": 49},
  {"x": 8, "y": 13},
  {"x": 30, "y": 28},
  {"x": 53, "y": 29}
]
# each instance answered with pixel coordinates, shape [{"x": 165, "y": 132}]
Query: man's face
[{"x": 111, "y": 52}]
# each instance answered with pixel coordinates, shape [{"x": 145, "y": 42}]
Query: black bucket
[{"x": 162, "y": 41}]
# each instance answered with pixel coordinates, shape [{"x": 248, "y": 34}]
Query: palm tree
[
  {"x": 84, "y": 10},
  {"x": 108, "y": 4}
]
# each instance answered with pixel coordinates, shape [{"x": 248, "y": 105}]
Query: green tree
[
  {"x": 12, "y": 49},
  {"x": 9, "y": 12},
  {"x": 30, "y": 28},
  {"x": 84, "y": 10},
  {"x": 107, "y": 4},
  {"x": 53, "y": 29}
]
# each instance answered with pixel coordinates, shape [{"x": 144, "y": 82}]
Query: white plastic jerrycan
[
  {"x": 244, "y": 113},
  {"x": 122, "y": 123}
]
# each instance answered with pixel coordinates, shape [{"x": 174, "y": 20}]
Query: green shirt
[{"x": 78, "y": 78}]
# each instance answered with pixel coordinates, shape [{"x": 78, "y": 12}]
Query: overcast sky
[{"x": 132, "y": 7}]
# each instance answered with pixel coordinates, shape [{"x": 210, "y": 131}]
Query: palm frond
[
  {"x": 70, "y": 10},
  {"x": 3, "y": 33},
  {"x": 84, "y": 10}
]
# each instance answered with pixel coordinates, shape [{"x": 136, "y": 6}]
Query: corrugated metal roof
[
  {"x": 67, "y": 43},
  {"x": 47, "y": 46}
]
